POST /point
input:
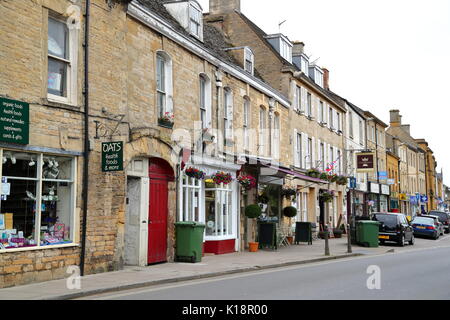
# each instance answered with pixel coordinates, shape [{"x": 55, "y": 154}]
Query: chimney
[
  {"x": 396, "y": 118},
  {"x": 224, "y": 6},
  {"x": 297, "y": 48},
  {"x": 326, "y": 79},
  {"x": 406, "y": 128}
]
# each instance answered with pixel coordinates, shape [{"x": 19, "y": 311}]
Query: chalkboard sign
[
  {"x": 303, "y": 232},
  {"x": 267, "y": 235}
]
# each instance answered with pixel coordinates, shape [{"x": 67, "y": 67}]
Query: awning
[{"x": 297, "y": 175}]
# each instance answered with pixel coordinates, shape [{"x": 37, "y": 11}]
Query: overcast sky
[{"x": 381, "y": 54}]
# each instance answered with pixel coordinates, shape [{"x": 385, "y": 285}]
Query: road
[{"x": 416, "y": 273}]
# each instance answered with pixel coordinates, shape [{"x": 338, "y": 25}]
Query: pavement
[{"x": 210, "y": 266}]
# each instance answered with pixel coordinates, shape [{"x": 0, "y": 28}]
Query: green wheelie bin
[
  {"x": 367, "y": 233},
  {"x": 189, "y": 241}
]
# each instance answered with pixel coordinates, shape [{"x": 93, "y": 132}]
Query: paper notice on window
[{"x": 6, "y": 189}]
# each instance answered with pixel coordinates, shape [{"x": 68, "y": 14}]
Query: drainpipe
[{"x": 86, "y": 137}]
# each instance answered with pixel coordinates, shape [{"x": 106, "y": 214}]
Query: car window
[
  {"x": 423, "y": 220},
  {"x": 388, "y": 220},
  {"x": 442, "y": 215}
]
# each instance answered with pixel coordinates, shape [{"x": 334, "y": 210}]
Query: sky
[{"x": 382, "y": 55}]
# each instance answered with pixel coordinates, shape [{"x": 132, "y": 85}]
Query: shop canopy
[{"x": 296, "y": 174}]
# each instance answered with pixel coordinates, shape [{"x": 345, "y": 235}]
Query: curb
[{"x": 195, "y": 277}]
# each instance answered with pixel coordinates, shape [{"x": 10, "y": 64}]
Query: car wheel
[
  {"x": 401, "y": 242},
  {"x": 382, "y": 242},
  {"x": 412, "y": 241},
  {"x": 436, "y": 236}
]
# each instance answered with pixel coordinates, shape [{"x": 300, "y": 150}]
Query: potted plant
[
  {"x": 253, "y": 211},
  {"x": 327, "y": 196},
  {"x": 342, "y": 180},
  {"x": 333, "y": 177},
  {"x": 290, "y": 212},
  {"x": 166, "y": 120},
  {"x": 337, "y": 232},
  {"x": 324, "y": 176},
  {"x": 313, "y": 173},
  {"x": 195, "y": 173},
  {"x": 288, "y": 192}
]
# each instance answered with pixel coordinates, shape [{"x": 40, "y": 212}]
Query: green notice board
[
  {"x": 112, "y": 156},
  {"x": 14, "y": 121}
]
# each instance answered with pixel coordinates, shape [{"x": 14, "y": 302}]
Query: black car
[
  {"x": 394, "y": 227},
  {"x": 444, "y": 218}
]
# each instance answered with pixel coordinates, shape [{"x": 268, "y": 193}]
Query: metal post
[{"x": 327, "y": 247}]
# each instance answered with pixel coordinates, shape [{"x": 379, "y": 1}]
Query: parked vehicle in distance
[
  {"x": 439, "y": 224},
  {"x": 444, "y": 218},
  {"x": 425, "y": 226},
  {"x": 394, "y": 227}
]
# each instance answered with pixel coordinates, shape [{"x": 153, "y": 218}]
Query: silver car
[{"x": 440, "y": 225}]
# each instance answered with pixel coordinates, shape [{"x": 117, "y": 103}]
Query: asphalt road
[{"x": 422, "y": 273}]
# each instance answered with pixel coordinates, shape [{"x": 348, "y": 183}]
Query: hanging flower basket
[
  {"x": 333, "y": 178},
  {"x": 327, "y": 196},
  {"x": 195, "y": 173},
  {"x": 222, "y": 177},
  {"x": 247, "y": 182},
  {"x": 166, "y": 120},
  {"x": 313, "y": 173},
  {"x": 342, "y": 180},
  {"x": 324, "y": 176},
  {"x": 288, "y": 192}
]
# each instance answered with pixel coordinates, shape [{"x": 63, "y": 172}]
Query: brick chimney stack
[
  {"x": 224, "y": 6},
  {"x": 396, "y": 118},
  {"x": 326, "y": 79},
  {"x": 298, "y": 48}
]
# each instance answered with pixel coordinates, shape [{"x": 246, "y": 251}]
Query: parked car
[
  {"x": 444, "y": 218},
  {"x": 426, "y": 226},
  {"x": 440, "y": 226},
  {"x": 394, "y": 227}
]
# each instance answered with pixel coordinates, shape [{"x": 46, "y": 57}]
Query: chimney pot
[{"x": 326, "y": 78}]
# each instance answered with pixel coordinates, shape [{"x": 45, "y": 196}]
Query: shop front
[
  {"x": 384, "y": 197},
  {"x": 373, "y": 198},
  {"x": 209, "y": 194},
  {"x": 394, "y": 203}
]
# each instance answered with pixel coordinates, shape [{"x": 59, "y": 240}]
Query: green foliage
[
  {"x": 290, "y": 212},
  {"x": 252, "y": 211}
]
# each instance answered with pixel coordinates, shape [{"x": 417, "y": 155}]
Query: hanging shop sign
[
  {"x": 365, "y": 162},
  {"x": 14, "y": 121},
  {"x": 402, "y": 197},
  {"x": 424, "y": 199},
  {"x": 385, "y": 189},
  {"x": 112, "y": 156}
]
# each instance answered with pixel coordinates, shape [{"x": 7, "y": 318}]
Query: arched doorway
[{"x": 160, "y": 174}]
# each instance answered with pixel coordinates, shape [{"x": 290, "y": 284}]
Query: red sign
[{"x": 365, "y": 162}]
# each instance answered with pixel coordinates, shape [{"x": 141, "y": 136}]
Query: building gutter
[{"x": 86, "y": 137}]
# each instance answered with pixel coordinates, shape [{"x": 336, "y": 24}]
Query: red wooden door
[{"x": 160, "y": 173}]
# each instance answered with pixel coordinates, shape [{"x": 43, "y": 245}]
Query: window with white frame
[
  {"x": 62, "y": 51},
  {"x": 262, "y": 130},
  {"x": 228, "y": 114},
  {"x": 205, "y": 101},
  {"x": 322, "y": 156},
  {"x": 339, "y": 162},
  {"x": 249, "y": 60},
  {"x": 191, "y": 199},
  {"x": 276, "y": 137},
  {"x": 309, "y": 104},
  {"x": 195, "y": 21},
  {"x": 361, "y": 132},
  {"x": 331, "y": 158},
  {"x": 38, "y": 194},
  {"x": 285, "y": 50},
  {"x": 331, "y": 118},
  {"x": 219, "y": 209},
  {"x": 350, "y": 124},
  {"x": 321, "y": 119},
  {"x": 246, "y": 124},
  {"x": 299, "y": 146},
  {"x": 164, "y": 85},
  {"x": 310, "y": 163},
  {"x": 338, "y": 120},
  {"x": 299, "y": 98}
]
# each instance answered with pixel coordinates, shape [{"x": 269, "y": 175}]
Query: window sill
[
  {"x": 56, "y": 246},
  {"x": 59, "y": 104},
  {"x": 165, "y": 124}
]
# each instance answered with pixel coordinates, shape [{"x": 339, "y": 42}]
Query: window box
[{"x": 165, "y": 124}]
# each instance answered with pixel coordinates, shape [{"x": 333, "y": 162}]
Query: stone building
[
  {"x": 316, "y": 120},
  {"x": 393, "y": 167},
  {"x": 163, "y": 90},
  {"x": 430, "y": 175}
]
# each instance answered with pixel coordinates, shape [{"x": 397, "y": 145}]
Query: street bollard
[
  {"x": 349, "y": 240},
  {"x": 327, "y": 247}
]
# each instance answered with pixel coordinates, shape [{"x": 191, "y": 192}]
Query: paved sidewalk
[{"x": 210, "y": 266}]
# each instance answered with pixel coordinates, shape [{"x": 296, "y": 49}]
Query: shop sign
[
  {"x": 374, "y": 187},
  {"x": 394, "y": 195},
  {"x": 390, "y": 182},
  {"x": 424, "y": 199},
  {"x": 402, "y": 197},
  {"x": 14, "y": 121},
  {"x": 365, "y": 162},
  {"x": 385, "y": 189},
  {"x": 352, "y": 182},
  {"x": 112, "y": 156},
  {"x": 382, "y": 175}
]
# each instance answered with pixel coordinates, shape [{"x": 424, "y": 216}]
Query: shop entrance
[
  {"x": 160, "y": 174},
  {"x": 322, "y": 213}
]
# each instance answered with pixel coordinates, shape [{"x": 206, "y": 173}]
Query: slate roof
[{"x": 213, "y": 40}]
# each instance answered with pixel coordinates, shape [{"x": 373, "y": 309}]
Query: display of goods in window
[
  {"x": 222, "y": 177},
  {"x": 247, "y": 182},
  {"x": 195, "y": 173}
]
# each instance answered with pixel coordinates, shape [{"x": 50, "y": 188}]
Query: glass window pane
[
  {"x": 56, "y": 213},
  {"x": 56, "y": 82},
  {"x": 57, "y": 39},
  {"x": 18, "y": 213},
  {"x": 230, "y": 213},
  {"x": 210, "y": 212},
  {"x": 55, "y": 167},
  {"x": 19, "y": 164},
  {"x": 160, "y": 73}
]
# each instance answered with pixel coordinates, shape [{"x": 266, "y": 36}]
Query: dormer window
[
  {"x": 189, "y": 15},
  {"x": 282, "y": 44},
  {"x": 249, "y": 60},
  {"x": 316, "y": 73},
  {"x": 195, "y": 21}
]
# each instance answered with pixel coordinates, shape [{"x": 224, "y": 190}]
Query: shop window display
[
  {"x": 218, "y": 209},
  {"x": 37, "y": 194}
]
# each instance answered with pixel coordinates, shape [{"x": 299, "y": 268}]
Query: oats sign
[
  {"x": 14, "y": 121},
  {"x": 112, "y": 156}
]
